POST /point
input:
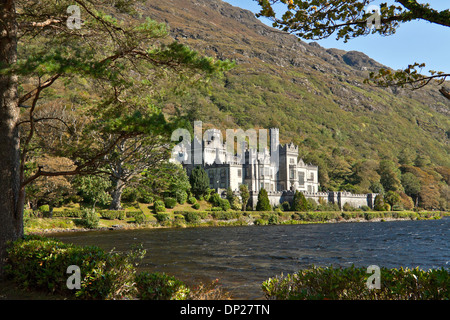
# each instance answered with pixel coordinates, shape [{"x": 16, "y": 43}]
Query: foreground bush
[
  {"x": 350, "y": 284},
  {"x": 41, "y": 263},
  {"x": 160, "y": 286}
]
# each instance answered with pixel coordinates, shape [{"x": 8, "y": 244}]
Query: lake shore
[{"x": 241, "y": 221}]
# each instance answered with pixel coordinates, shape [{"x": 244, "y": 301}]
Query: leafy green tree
[
  {"x": 199, "y": 181},
  {"x": 131, "y": 157},
  {"x": 392, "y": 198},
  {"x": 110, "y": 68},
  {"x": 376, "y": 187},
  {"x": 389, "y": 176},
  {"x": 406, "y": 156},
  {"x": 319, "y": 19},
  {"x": 411, "y": 184},
  {"x": 245, "y": 195},
  {"x": 263, "y": 203},
  {"x": 167, "y": 179},
  {"x": 93, "y": 189},
  {"x": 299, "y": 203}
]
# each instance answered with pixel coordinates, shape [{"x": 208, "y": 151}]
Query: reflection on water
[{"x": 243, "y": 257}]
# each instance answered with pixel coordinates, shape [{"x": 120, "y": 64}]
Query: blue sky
[{"x": 416, "y": 41}]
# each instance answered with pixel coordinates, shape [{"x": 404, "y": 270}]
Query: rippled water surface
[{"x": 243, "y": 257}]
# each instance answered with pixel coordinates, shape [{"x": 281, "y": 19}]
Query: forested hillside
[
  {"x": 363, "y": 138},
  {"x": 316, "y": 96}
]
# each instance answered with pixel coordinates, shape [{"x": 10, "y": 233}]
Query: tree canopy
[
  {"x": 347, "y": 19},
  {"x": 77, "y": 86}
]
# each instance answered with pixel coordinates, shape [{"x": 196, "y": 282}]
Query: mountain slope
[{"x": 316, "y": 96}]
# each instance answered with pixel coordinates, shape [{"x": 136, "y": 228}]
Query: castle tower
[
  {"x": 274, "y": 135},
  {"x": 288, "y": 167}
]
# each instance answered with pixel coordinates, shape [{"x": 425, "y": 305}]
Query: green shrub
[
  {"x": 159, "y": 206},
  {"x": 286, "y": 206},
  {"x": 224, "y": 204},
  {"x": 372, "y": 215},
  {"x": 113, "y": 214},
  {"x": 196, "y": 206},
  {"x": 69, "y": 213},
  {"x": 261, "y": 222},
  {"x": 397, "y": 207},
  {"x": 365, "y": 208},
  {"x": 41, "y": 263},
  {"x": 349, "y": 215},
  {"x": 350, "y": 283},
  {"x": 160, "y": 286},
  {"x": 146, "y": 198},
  {"x": 273, "y": 219},
  {"x": 215, "y": 199},
  {"x": 89, "y": 219},
  {"x": 192, "y": 217},
  {"x": 225, "y": 215},
  {"x": 170, "y": 202},
  {"x": 192, "y": 200},
  {"x": 44, "y": 208},
  {"x": 347, "y": 207},
  {"x": 139, "y": 218},
  {"x": 181, "y": 196},
  {"x": 132, "y": 214},
  {"x": 162, "y": 217}
]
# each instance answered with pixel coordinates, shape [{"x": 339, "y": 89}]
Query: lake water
[{"x": 243, "y": 257}]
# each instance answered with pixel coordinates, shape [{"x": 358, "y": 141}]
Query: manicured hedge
[
  {"x": 350, "y": 284},
  {"x": 69, "y": 213},
  {"x": 161, "y": 217},
  {"x": 226, "y": 215},
  {"x": 113, "y": 214},
  {"x": 132, "y": 214}
]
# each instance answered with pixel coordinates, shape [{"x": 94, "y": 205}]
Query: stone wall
[{"x": 355, "y": 200}]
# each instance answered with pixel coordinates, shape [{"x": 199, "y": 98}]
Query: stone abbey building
[{"x": 278, "y": 169}]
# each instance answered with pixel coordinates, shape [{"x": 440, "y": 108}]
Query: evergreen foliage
[
  {"x": 299, "y": 203},
  {"x": 199, "y": 181},
  {"x": 263, "y": 203}
]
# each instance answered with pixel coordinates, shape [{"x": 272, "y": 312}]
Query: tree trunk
[
  {"x": 116, "y": 195},
  {"x": 11, "y": 194}
]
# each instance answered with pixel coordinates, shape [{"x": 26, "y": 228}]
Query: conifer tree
[
  {"x": 199, "y": 182},
  {"x": 263, "y": 203},
  {"x": 299, "y": 203}
]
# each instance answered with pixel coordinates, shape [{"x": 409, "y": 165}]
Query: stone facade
[
  {"x": 277, "y": 169},
  {"x": 340, "y": 198}
]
